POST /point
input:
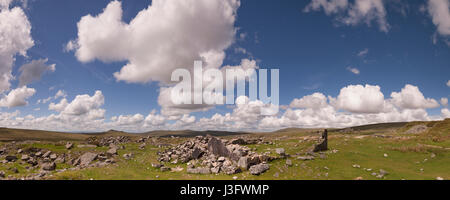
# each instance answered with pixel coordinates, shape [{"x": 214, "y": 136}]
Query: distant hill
[
  {"x": 374, "y": 127},
  {"x": 7, "y": 134}
]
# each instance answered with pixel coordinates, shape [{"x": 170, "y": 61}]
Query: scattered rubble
[{"x": 106, "y": 141}]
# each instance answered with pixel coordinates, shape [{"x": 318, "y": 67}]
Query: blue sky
[{"x": 313, "y": 48}]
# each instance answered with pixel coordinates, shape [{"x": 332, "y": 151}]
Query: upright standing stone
[{"x": 323, "y": 142}]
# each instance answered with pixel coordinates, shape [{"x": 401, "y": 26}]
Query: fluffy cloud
[
  {"x": 361, "y": 11},
  {"x": 360, "y": 99},
  {"x": 329, "y": 6},
  {"x": 353, "y": 70},
  {"x": 169, "y": 34},
  {"x": 17, "y": 97},
  {"x": 440, "y": 13},
  {"x": 311, "y": 111},
  {"x": 412, "y": 98},
  {"x": 444, "y": 101},
  {"x": 314, "y": 101},
  {"x": 59, "y": 107},
  {"x": 33, "y": 71},
  {"x": 448, "y": 83},
  {"x": 15, "y": 31},
  {"x": 154, "y": 120},
  {"x": 127, "y": 120},
  {"x": 60, "y": 93},
  {"x": 81, "y": 105},
  {"x": 363, "y": 52},
  {"x": 445, "y": 113}
]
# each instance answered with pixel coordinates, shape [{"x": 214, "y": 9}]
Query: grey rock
[
  {"x": 305, "y": 158},
  {"x": 87, "y": 158},
  {"x": 46, "y": 154},
  {"x": 48, "y": 166},
  {"x": 164, "y": 169},
  {"x": 25, "y": 157},
  {"x": 127, "y": 156},
  {"x": 53, "y": 156},
  {"x": 243, "y": 162},
  {"x": 383, "y": 172},
  {"x": 259, "y": 169},
  {"x": 199, "y": 170},
  {"x": 215, "y": 170},
  {"x": 10, "y": 158},
  {"x": 69, "y": 145},
  {"x": 280, "y": 151},
  {"x": 229, "y": 170},
  {"x": 239, "y": 141},
  {"x": 216, "y": 147},
  {"x": 196, "y": 154},
  {"x": 112, "y": 151},
  {"x": 157, "y": 166}
]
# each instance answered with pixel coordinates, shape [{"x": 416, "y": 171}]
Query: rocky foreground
[{"x": 201, "y": 155}]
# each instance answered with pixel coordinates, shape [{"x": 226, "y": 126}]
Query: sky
[{"x": 86, "y": 66}]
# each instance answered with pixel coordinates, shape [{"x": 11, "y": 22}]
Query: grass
[{"x": 408, "y": 157}]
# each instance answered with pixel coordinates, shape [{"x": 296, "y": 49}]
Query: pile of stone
[
  {"x": 107, "y": 141},
  {"x": 206, "y": 155}
]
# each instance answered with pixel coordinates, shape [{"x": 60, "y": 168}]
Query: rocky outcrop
[
  {"x": 106, "y": 141},
  {"x": 212, "y": 153}
]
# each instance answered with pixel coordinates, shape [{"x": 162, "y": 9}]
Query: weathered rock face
[
  {"x": 87, "y": 158},
  {"x": 259, "y": 169},
  {"x": 112, "y": 151},
  {"x": 49, "y": 166},
  {"x": 323, "y": 143},
  {"x": 243, "y": 162},
  {"x": 197, "y": 153},
  {"x": 216, "y": 147}
]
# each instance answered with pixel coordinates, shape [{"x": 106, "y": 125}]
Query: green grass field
[{"x": 423, "y": 156}]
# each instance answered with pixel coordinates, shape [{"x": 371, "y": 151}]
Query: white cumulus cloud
[
  {"x": 361, "y": 11},
  {"x": 360, "y": 99},
  {"x": 17, "y": 97},
  {"x": 412, "y": 98},
  {"x": 440, "y": 14},
  {"x": 15, "y": 39},
  {"x": 169, "y": 34}
]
